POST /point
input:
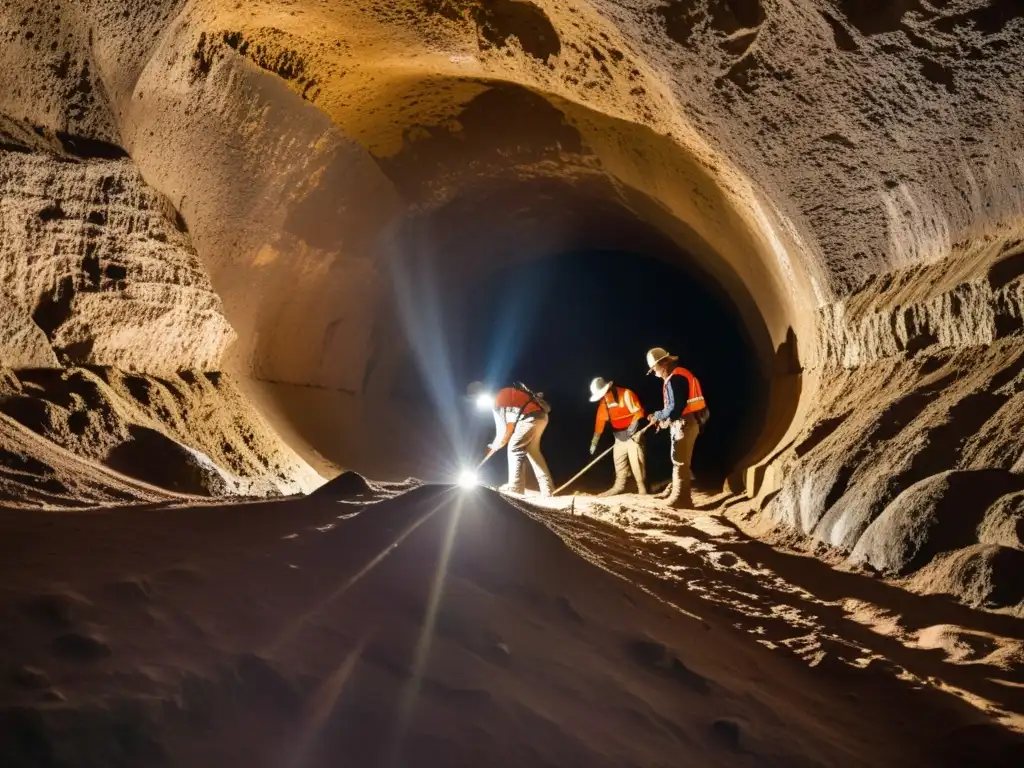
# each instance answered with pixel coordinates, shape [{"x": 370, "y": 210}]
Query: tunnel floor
[{"x": 425, "y": 625}]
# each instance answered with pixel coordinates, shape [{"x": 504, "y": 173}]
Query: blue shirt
[{"x": 675, "y": 392}]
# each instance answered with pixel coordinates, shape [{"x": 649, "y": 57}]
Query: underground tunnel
[
  {"x": 252, "y": 254},
  {"x": 554, "y": 305}
]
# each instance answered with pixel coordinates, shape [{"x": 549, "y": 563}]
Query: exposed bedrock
[
  {"x": 849, "y": 176},
  {"x": 97, "y": 269}
]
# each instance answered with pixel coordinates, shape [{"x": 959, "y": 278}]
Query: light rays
[
  {"x": 407, "y": 705},
  {"x": 296, "y": 626},
  {"x": 428, "y": 301}
]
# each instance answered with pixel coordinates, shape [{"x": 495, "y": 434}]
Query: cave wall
[
  {"x": 112, "y": 342},
  {"x": 97, "y": 269},
  {"x": 851, "y": 173}
]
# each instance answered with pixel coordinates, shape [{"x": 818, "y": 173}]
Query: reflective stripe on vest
[
  {"x": 695, "y": 400},
  {"x": 619, "y": 414}
]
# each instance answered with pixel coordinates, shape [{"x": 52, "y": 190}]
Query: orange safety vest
[
  {"x": 621, "y": 412},
  {"x": 511, "y": 397},
  {"x": 695, "y": 398}
]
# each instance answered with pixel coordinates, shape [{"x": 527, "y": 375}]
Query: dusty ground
[{"x": 426, "y": 626}]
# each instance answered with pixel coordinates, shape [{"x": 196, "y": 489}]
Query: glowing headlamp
[{"x": 484, "y": 401}]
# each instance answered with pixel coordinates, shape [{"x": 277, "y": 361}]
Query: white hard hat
[
  {"x": 655, "y": 356},
  {"x": 598, "y": 388}
]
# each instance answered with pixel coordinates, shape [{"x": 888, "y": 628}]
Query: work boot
[
  {"x": 615, "y": 490},
  {"x": 679, "y": 492},
  {"x": 664, "y": 493}
]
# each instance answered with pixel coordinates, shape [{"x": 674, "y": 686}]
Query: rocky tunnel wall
[{"x": 849, "y": 174}]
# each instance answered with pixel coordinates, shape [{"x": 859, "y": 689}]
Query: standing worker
[
  {"x": 520, "y": 418},
  {"x": 685, "y": 412},
  {"x": 621, "y": 407}
]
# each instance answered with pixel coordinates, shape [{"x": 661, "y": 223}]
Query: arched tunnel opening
[
  {"x": 534, "y": 281},
  {"x": 556, "y": 321}
]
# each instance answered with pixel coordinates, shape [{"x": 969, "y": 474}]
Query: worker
[
  {"x": 520, "y": 418},
  {"x": 621, "y": 407},
  {"x": 685, "y": 413}
]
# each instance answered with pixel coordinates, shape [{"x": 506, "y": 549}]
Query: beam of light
[
  {"x": 468, "y": 479},
  {"x": 520, "y": 303},
  {"x": 418, "y": 301},
  {"x": 408, "y": 703},
  {"x": 296, "y": 626},
  {"x": 323, "y": 701},
  {"x": 484, "y": 401},
  {"x": 422, "y": 291}
]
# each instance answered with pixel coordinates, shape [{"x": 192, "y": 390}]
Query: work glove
[{"x": 593, "y": 444}]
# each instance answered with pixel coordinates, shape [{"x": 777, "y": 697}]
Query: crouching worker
[
  {"x": 621, "y": 408},
  {"x": 520, "y": 418},
  {"x": 684, "y": 413}
]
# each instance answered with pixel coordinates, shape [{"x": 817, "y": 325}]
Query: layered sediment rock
[
  {"x": 906, "y": 394},
  {"x": 97, "y": 269}
]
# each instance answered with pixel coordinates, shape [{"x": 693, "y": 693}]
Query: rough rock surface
[
  {"x": 851, "y": 174},
  {"x": 793, "y": 149},
  {"x": 97, "y": 267},
  {"x": 941, "y": 513},
  {"x": 192, "y": 433}
]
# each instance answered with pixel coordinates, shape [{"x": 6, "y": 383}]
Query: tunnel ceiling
[{"x": 801, "y": 148}]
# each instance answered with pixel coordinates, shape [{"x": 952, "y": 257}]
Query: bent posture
[
  {"x": 520, "y": 418},
  {"x": 621, "y": 408},
  {"x": 684, "y": 413}
]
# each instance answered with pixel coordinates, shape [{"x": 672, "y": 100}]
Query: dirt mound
[
  {"x": 936, "y": 515},
  {"x": 193, "y": 433},
  {"x": 1003, "y": 524},
  {"x": 154, "y": 458},
  {"x": 37, "y": 473},
  {"x": 982, "y": 576},
  {"x": 345, "y": 486}
]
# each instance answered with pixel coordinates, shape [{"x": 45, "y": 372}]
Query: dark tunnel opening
[{"x": 555, "y": 323}]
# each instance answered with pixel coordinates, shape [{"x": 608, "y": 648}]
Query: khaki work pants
[
  {"x": 684, "y": 434},
  {"x": 629, "y": 456},
  {"x": 525, "y": 445}
]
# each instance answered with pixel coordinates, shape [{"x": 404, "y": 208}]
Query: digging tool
[
  {"x": 583, "y": 471},
  {"x": 468, "y": 477}
]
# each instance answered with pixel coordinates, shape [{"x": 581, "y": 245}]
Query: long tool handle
[
  {"x": 583, "y": 471},
  {"x": 485, "y": 459}
]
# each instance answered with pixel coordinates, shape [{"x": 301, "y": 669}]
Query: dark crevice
[
  {"x": 52, "y": 212},
  {"x": 54, "y": 308},
  {"x": 990, "y": 19},
  {"x": 500, "y": 20},
  {"x": 844, "y": 40},
  {"x": 1005, "y": 271},
  {"x": 90, "y": 149}
]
